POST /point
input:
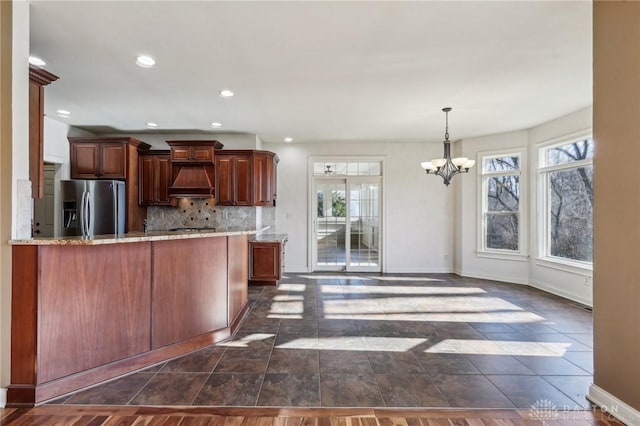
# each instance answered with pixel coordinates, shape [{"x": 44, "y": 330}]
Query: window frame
[
  {"x": 482, "y": 177},
  {"x": 544, "y": 257}
]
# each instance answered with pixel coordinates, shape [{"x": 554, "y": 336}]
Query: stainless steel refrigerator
[{"x": 92, "y": 207}]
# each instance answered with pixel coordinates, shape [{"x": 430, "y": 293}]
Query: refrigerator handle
[
  {"x": 88, "y": 214},
  {"x": 82, "y": 215}
]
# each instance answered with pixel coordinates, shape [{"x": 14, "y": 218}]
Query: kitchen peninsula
[{"x": 85, "y": 310}]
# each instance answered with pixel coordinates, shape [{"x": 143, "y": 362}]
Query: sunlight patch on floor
[
  {"x": 425, "y": 308},
  {"x": 353, "y": 343},
  {"x": 292, "y": 287},
  {"x": 499, "y": 347},
  {"x": 369, "y": 289},
  {"x": 392, "y": 278},
  {"x": 246, "y": 341},
  {"x": 334, "y": 277}
]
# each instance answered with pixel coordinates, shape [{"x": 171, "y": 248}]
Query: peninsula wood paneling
[
  {"x": 24, "y": 309},
  {"x": 87, "y": 297},
  {"x": 238, "y": 274},
  {"x": 189, "y": 289}
]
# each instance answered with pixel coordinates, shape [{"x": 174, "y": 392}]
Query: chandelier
[{"x": 447, "y": 167}]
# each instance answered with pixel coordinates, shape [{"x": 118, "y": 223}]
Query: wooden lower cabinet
[
  {"x": 266, "y": 262},
  {"x": 82, "y": 314}
]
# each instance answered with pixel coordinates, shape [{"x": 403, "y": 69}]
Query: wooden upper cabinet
[
  {"x": 98, "y": 160},
  {"x": 233, "y": 179},
  {"x": 154, "y": 178},
  {"x": 84, "y": 160},
  {"x": 38, "y": 78},
  {"x": 112, "y": 158},
  {"x": 193, "y": 151},
  {"x": 263, "y": 168},
  {"x": 245, "y": 178}
]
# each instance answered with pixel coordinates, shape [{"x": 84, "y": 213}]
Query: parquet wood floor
[{"x": 128, "y": 415}]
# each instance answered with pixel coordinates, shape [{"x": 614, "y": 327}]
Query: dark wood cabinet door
[
  {"x": 154, "y": 174},
  {"x": 265, "y": 261},
  {"x": 85, "y": 159},
  {"x": 261, "y": 181},
  {"x": 163, "y": 180},
  {"x": 146, "y": 187},
  {"x": 273, "y": 175},
  {"x": 180, "y": 154},
  {"x": 242, "y": 180},
  {"x": 224, "y": 180},
  {"x": 202, "y": 154},
  {"x": 113, "y": 160},
  {"x": 36, "y": 143},
  {"x": 38, "y": 78}
]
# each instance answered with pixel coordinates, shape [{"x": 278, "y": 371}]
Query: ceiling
[{"x": 316, "y": 71}]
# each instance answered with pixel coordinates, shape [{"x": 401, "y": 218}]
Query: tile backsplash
[{"x": 201, "y": 213}]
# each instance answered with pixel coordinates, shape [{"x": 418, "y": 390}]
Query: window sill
[
  {"x": 518, "y": 257},
  {"x": 581, "y": 268}
]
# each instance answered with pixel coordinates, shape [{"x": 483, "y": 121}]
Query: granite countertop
[
  {"x": 136, "y": 237},
  {"x": 270, "y": 238}
]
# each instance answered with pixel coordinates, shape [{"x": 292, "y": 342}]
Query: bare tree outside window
[
  {"x": 570, "y": 199},
  {"x": 502, "y": 202}
]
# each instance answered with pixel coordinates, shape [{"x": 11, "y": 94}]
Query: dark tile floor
[{"x": 372, "y": 340}]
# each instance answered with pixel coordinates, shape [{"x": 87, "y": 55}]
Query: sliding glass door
[{"x": 346, "y": 224}]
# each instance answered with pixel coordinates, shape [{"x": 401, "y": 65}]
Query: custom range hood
[{"x": 192, "y": 168}]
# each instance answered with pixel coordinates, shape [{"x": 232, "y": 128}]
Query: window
[
  {"x": 566, "y": 182},
  {"x": 501, "y": 180}
]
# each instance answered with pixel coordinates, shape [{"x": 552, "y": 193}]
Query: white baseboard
[
  {"x": 612, "y": 405},
  {"x": 435, "y": 270},
  {"x": 560, "y": 292},
  {"x": 443, "y": 270},
  {"x": 501, "y": 278},
  {"x": 3, "y": 397}
]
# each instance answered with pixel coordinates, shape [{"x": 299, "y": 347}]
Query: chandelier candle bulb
[
  {"x": 427, "y": 165},
  {"x": 439, "y": 162},
  {"x": 459, "y": 161}
]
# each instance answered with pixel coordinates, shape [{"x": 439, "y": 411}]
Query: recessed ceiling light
[
  {"x": 288, "y": 139},
  {"x": 216, "y": 125},
  {"x": 63, "y": 113},
  {"x": 34, "y": 60},
  {"x": 152, "y": 124},
  {"x": 226, "y": 93},
  {"x": 145, "y": 61}
]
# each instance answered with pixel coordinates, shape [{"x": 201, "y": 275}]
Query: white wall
[
  {"x": 573, "y": 283},
  {"x": 21, "y": 194},
  {"x": 56, "y": 144},
  {"x": 514, "y": 270},
  {"x": 418, "y": 209}
]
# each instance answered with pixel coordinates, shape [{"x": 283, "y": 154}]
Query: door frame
[{"x": 311, "y": 194}]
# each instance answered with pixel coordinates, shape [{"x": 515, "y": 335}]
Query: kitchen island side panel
[
  {"x": 87, "y": 297},
  {"x": 189, "y": 289},
  {"x": 238, "y": 275}
]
